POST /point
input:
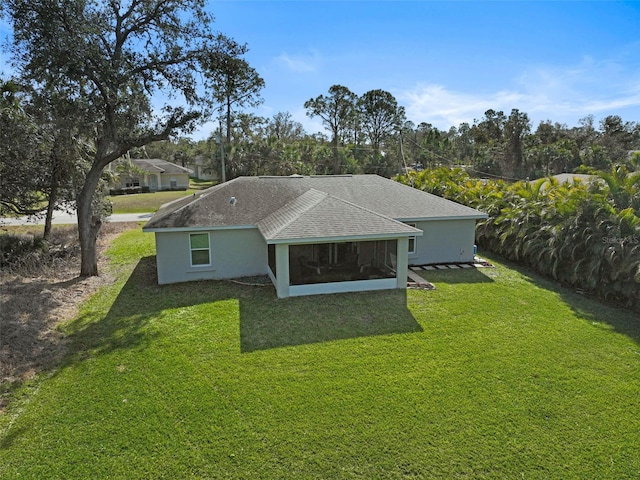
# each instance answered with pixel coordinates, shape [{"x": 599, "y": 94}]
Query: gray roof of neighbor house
[
  {"x": 309, "y": 207},
  {"x": 570, "y": 178},
  {"x": 157, "y": 165}
]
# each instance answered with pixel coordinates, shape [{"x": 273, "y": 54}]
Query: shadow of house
[
  {"x": 264, "y": 321},
  {"x": 269, "y": 323}
]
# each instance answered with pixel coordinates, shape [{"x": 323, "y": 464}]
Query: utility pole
[{"x": 224, "y": 170}]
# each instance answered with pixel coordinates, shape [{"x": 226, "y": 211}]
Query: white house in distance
[
  {"x": 157, "y": 174},
  {"x": 311, "y": 235}
]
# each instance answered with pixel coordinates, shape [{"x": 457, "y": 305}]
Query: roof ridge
[
  {"x": 317, "y": 196},
  {"x": 378, "y": 214}
]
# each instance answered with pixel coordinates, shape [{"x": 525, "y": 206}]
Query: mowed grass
[
  {"x": 495, "y": 374},
  {"x": 151, "y": 202}
]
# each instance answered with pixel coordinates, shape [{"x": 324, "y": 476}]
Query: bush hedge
[{"x": 584, "y": 235}]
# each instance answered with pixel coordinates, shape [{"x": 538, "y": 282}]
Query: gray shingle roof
[
  {"x": 317, "y": 214},
  {"x": 157, "y": 165},
  {"x": 389, "y": 198},
  {"x": 309, "y": 207}
]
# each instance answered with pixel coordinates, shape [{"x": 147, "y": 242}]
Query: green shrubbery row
[
  {"x": 129, "y": 190},
  {"x": 584, "y": 235},
  {"x": 142, "y": 189}
]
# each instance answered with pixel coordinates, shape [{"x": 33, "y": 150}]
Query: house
[
  {"x": 202, "y": 170},
  {"x": 571, "y": 178},
  {"x": 317, "y": 234},
  {"x": 154, "y": 173}
]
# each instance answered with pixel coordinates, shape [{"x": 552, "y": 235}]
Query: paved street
[{"x": 64, "y": 218}]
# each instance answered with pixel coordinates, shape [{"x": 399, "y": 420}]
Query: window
[
  {"x": 199, "y": 245},
  {"x": 412, "y": 240}
]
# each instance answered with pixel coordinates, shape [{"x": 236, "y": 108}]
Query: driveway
[{"x": 60, "y": 217}]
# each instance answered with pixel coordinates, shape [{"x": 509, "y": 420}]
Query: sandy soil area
[{"x": 35, "y": 300}]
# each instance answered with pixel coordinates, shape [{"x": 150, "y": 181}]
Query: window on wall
[
  {"x": 199, "y": 245},
  {"x": 412, "y": 240}
]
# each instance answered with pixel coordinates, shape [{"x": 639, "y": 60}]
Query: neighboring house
[
  {"x": 318, "y": 234},
  {"x": 571, "y": 178},
  {"x": 156, "y": 174},
  {"x": 202, "y": 169}
]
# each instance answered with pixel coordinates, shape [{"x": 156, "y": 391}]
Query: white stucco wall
[
  {"x": 444, "y": 241},
  {"x": 182, "y": 180},
  {"x": 234, "y": 253}
]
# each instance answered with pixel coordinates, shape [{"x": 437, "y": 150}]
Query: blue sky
[{"x": 445, "y": 62}]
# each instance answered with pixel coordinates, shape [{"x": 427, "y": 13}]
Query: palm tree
[{"x": 623, "y": 187}]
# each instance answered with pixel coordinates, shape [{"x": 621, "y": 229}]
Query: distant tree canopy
[
  {"x": 370, "y": 134},
  {"x": 21, "y": 155}
]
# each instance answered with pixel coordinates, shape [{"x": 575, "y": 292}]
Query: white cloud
[
  {"x": 558, "y": 93},
  {"x": 588, "y": 87},
  {"x": 444, "y": 108},
  {"x": 308, "y": 63},
  {"x": 311, "y": 125}
]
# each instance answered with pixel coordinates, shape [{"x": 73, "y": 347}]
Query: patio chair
[
  {"x": 307, "y": 267},
  {"x": 352, "y": 262}
]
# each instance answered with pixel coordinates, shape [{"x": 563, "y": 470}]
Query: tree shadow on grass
[
  {"x": 587, "y": 308},
  {"x": 124, "y": 324},
  {"x": 264, "y": 320},
  {"x": 30, "y": 342}
]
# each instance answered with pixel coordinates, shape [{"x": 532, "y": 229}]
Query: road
[{"x": 60, "y": 217}]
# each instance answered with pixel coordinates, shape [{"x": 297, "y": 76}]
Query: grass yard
[
  {"x": 150, "y": 202},
  {"x": 495, "y": 374}
]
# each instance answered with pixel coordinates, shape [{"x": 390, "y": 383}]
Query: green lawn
[
  {"x": 150, "y": 202},
  {"x": 495, "y": 374}
]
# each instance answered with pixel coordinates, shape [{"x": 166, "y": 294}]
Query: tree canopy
[
  {"x": 113, "y": 62},
  {"x": 21, "y": 155}
]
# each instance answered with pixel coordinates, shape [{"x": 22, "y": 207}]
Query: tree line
[
  {"x": 586, "y": 235},
  {"x": 370, "y": 134}
]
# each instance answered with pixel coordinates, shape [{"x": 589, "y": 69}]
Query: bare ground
[{"x": 35, "y": 299}]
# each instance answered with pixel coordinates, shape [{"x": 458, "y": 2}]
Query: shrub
[
  {"x": 28, "y": 254},
  {"x": 575, "y": 234}
]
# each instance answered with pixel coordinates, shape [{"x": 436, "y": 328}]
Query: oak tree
[{"x": 132, "y": 70}]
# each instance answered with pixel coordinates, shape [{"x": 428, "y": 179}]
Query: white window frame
[
  {"x": 413, "y": 239},
  {"x": 207, "y": 249}
]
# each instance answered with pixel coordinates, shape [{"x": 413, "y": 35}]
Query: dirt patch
[{"x": 35, "y": 302}]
